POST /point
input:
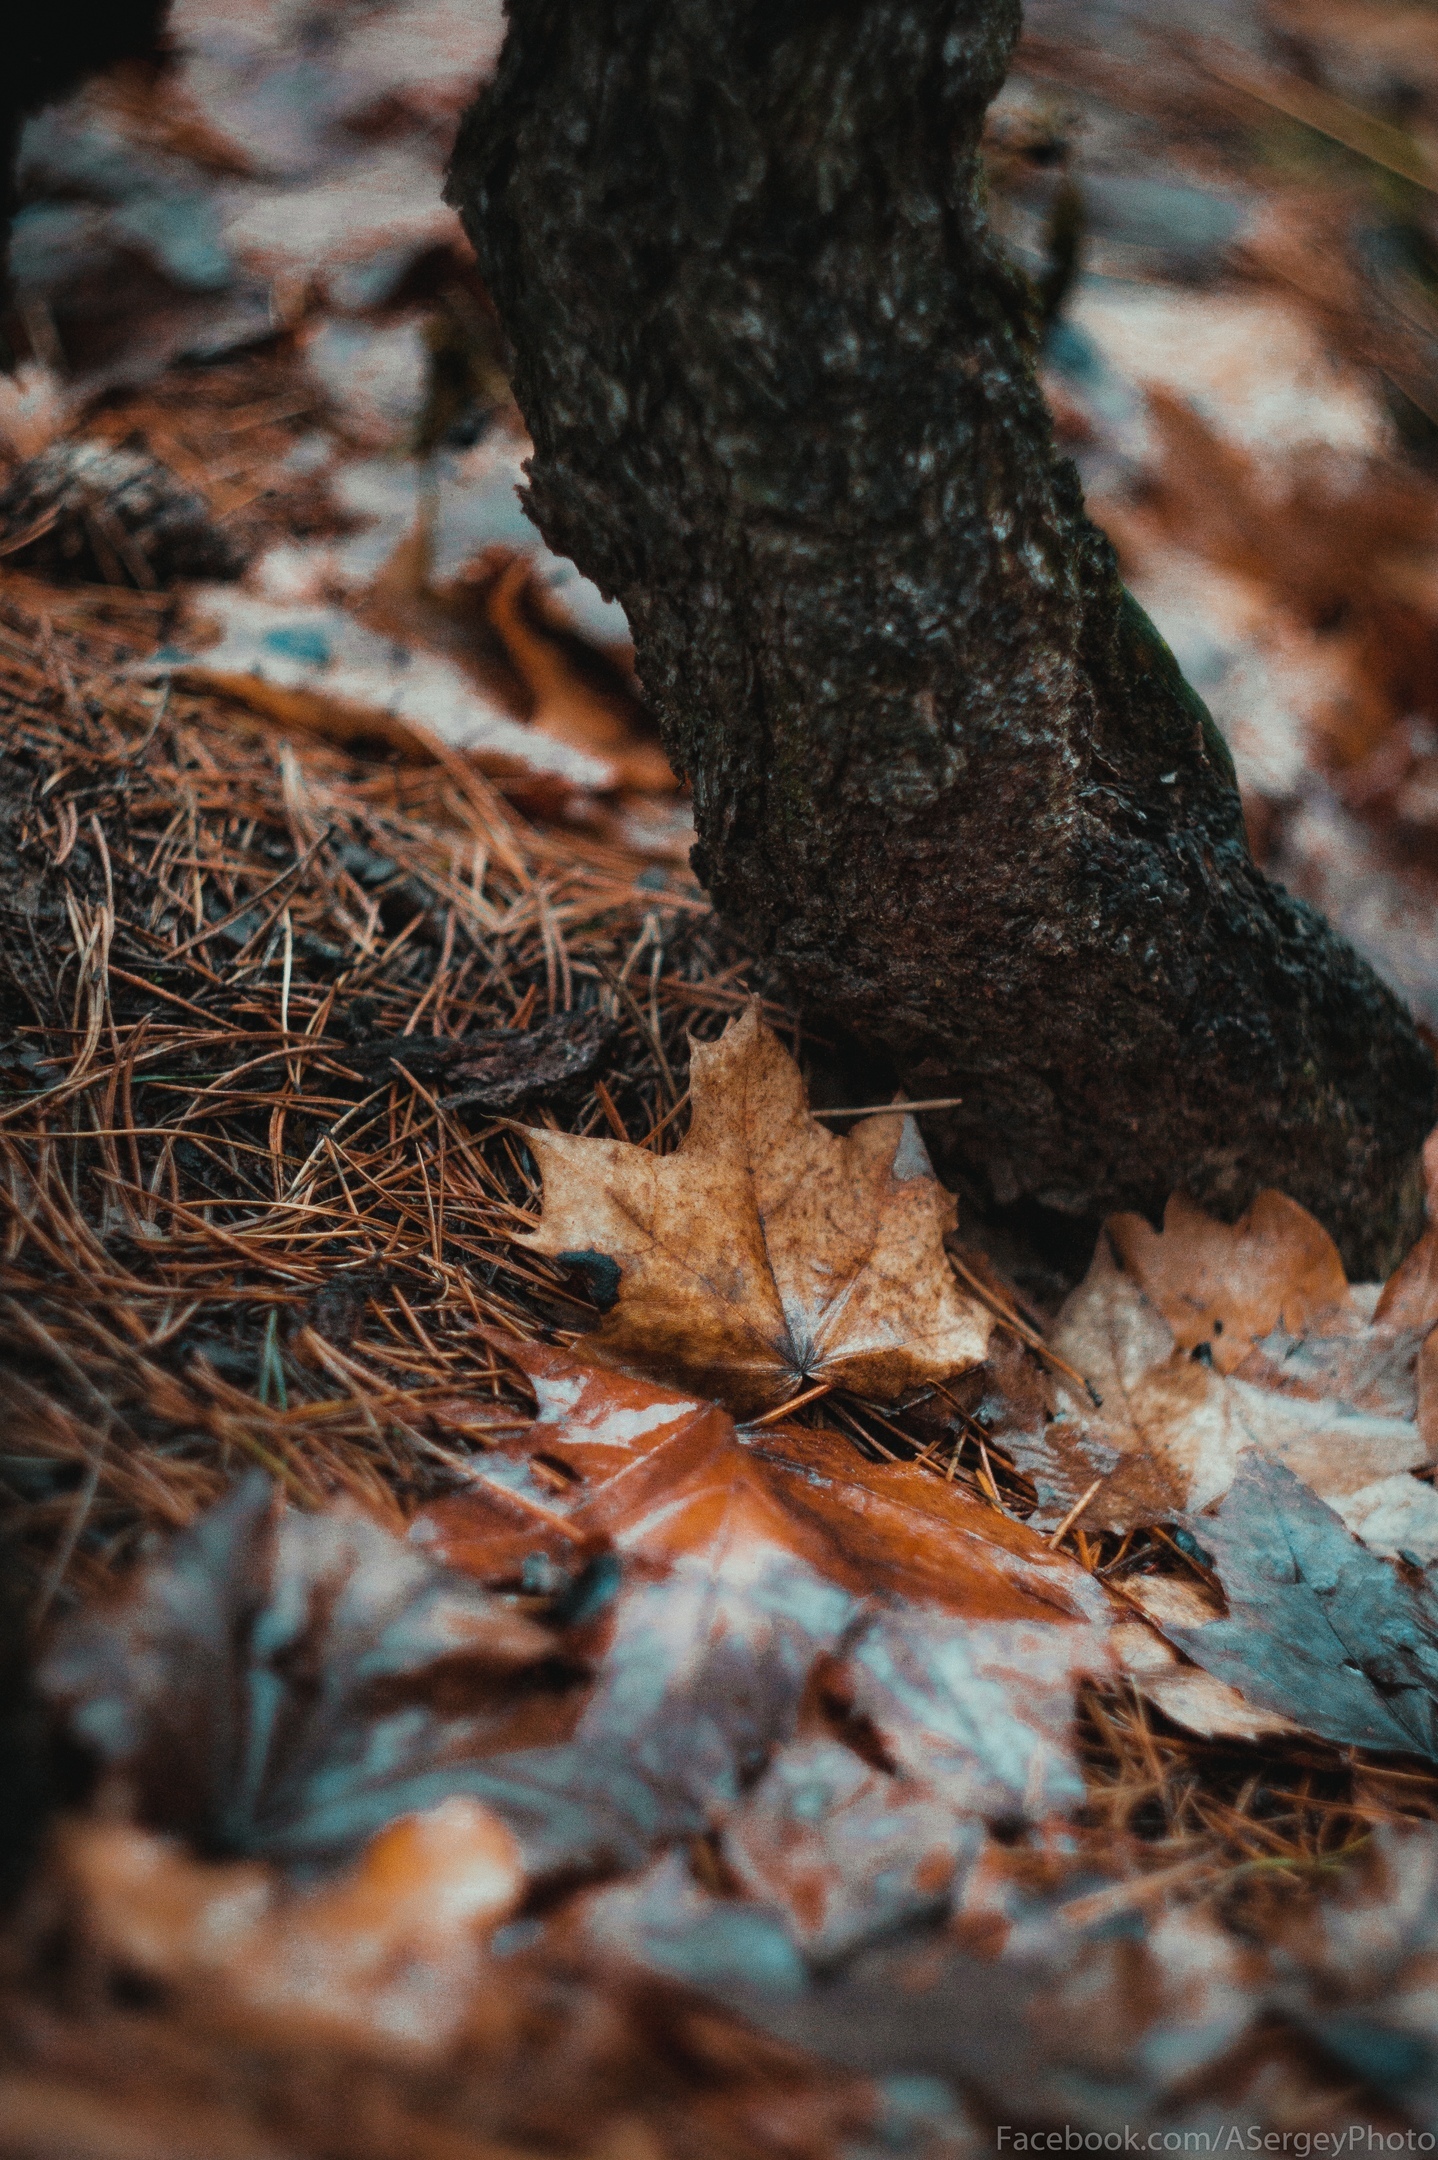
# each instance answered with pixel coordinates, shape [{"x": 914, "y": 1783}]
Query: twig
[{"x": 893, "y": 1109}]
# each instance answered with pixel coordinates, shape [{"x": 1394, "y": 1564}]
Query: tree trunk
[{"x": 780, "y": 383}]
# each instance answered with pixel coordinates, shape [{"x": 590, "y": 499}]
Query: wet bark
[{"x": 780, "y": 383}]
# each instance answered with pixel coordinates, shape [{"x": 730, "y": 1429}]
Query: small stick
[
  {"x": 894, "y": 1109},
  {"x": 606, "y": 1103},
  {"x": 812, "y": 1394},
  {"x": 1073, "y": 1515},
  {"x": 1005, "y": 1312}
]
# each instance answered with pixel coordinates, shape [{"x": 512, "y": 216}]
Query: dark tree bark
[{"x": 780, "y": 383}]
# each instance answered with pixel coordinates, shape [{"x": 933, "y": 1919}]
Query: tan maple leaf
[
  {"x": 765, "y": 1254},
  {"x": 1207, "y": 1339}
]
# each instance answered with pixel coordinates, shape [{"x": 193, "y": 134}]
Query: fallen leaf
[
  {"x": 497, "y": 1068},
  {"x": 1230, "y": 1286},
  {"x": 282, "y": 1685},
  {"x": 845, "y": 1851},
  {"x": 1096, "y": 2025},
  {"x": 390, "y": 1951},
  {"x": 1205, "y": 1341},
  {"x": 1183, "y": 1691},
  {"x": 319, "y": 669},
  {"x": 1318, "y": 1628},
  {"x": 1366, "y": 1979},
  {"x": 766, "y": 1580},
  {"x": 592, "y": 710},
  {"x": 566, "y": 707},
  {"x": 765, "y": 1254},
  {"x": 232, "y": 2015}
]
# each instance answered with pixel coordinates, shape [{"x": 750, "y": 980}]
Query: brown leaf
[
  {"x": 1087, "y": 2015},
  {"x": 1228, "y": 1286},
  {"x": 765, "y": 1254},
  {"x": 1208, "y": 1340},
  {"x": 566, "y": 706},
  {"x": 264, "y": 2020},
  {"x": 1183, "y": 1691},
  {"x": 389, "y": 1952}
]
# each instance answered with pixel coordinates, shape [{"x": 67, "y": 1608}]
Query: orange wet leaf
[{"x": 755, "y": 1569}]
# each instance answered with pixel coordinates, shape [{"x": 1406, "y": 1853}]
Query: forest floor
[{"x": 558, "y": 1599}]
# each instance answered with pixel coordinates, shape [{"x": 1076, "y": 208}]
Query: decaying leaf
[
  {"x": 320, "y": 669},
  {"x": 1318, "y": 1628},
  {"x": 766, "y": 1581},
  {"x": 392, "y": 1950},
  {"x": 498, "y": 1068},
  {"x": 566, "y": 707},
  {"x": 844, "y": 1851},
  {"x": 1183, "y": 1691},
  {"x": 1206, "y": 1340},
  {"x": 231, "y": 2015},
  {"x": 765, "y": 1255},
  {"x": 1104, "y": 2020},
  {"x": 1229, "y": 1287},
  {"x": 282, "y": 1685},
  {"x": 1366, "y": 1985}
]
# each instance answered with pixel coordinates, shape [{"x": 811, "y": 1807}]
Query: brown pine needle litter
[
  {"x": 229, "y": 1235},
  {"x": 236, "y": 1229}
]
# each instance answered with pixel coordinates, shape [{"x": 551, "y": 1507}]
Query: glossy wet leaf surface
[{"x": 767, "y": 1582}]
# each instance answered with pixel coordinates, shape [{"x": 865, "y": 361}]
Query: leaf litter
[
  {"x": 1205, "y": 1340},
  {"x": 947, "y": 1704},
  {"x": 786, "y": 1694}
]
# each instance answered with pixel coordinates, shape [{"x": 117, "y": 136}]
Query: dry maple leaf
[
  {"x": 1207, "y": 1339},
  {"x": 1227, "y": 1287},
  {"x": 765, "y": 1254}
]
